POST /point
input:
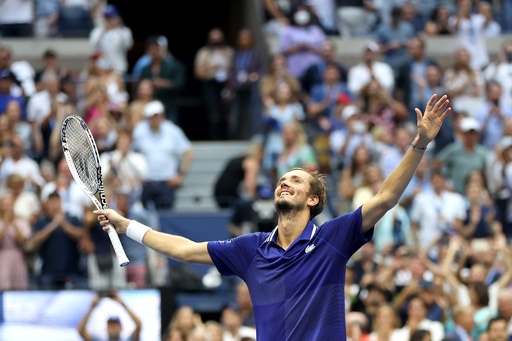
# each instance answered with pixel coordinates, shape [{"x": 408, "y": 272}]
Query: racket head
[{"x": 81, "y": 154}]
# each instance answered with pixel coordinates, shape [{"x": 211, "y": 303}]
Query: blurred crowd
[{"x": 439, "y": 266}]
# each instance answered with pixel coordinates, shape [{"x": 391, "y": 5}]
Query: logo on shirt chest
[{"x": 309, "y": 248}]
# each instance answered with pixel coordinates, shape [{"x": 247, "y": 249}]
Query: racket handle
[{"x": 118, "y": 247}]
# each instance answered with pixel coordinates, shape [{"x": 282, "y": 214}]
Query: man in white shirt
[
  {"x": 435, "y": 213},
  {"x": 370, "y": 68},
  {"x": 168, "y": 153},
  {"x": 113, "y": 40}
]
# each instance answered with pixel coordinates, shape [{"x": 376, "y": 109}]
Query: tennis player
[{"x": 296, "y": 273}]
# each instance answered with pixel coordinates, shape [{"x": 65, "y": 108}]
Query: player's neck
[{"x": 290, "y": 228}]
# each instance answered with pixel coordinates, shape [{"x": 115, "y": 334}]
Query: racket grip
[{"x": 118, "y": 247}]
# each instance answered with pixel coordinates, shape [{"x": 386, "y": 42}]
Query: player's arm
[
  {"x": 176, "y": 247},
  {"x": 395, "y": 184}
]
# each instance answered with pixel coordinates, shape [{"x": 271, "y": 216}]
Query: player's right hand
[{"x": 110, "y": 217}]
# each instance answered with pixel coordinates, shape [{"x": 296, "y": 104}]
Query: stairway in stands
[{"x": 196, "y": 195}]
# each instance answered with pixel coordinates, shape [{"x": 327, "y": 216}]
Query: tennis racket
[{"x": 83, "y": 160}]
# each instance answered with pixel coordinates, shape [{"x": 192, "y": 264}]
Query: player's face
[{"x": 291, "y": 193}]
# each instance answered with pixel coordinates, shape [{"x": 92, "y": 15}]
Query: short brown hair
[{"x": 318, "y": 187}]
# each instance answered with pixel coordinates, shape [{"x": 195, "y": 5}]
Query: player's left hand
[{"x": 429, "y": 122}]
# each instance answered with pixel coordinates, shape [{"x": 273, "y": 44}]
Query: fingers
[
  {"x": 442, "y": 101},
  {"x": 419, "y": 114},
  {"x": 431, "y": 102}
]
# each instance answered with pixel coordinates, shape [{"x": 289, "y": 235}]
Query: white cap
[
  {"x": 153, "y": 108},
  {"x": 372, "y": 46},
  {"x": 469, "y": 123},
  {"x": 349, "y": 111}
]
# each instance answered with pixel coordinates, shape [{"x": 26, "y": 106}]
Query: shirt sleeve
[
  {"x": 234, "y": 256},
  {"x": 345, "y": 233}
]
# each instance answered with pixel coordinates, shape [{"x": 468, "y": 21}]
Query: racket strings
[{"x": 82, "y": 154}]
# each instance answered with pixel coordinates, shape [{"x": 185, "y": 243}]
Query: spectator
[
  {"x": 26, "y": 203},
  {"x": 438, "y": 22},
  {"x": 123, "y": 168},
  {"x": 103, "y": 270},
  {"x": 352, "y": 176},
  {"x": 368, "y": 69},
  {"x": 184, "y": 320},
  {"x": 145, "y": 59},
  {"x": 501, "y": 177},
  {"x": 505, "y": 307},
  {"x": 352, "y": 18},
  {"x": 113, "y": 82},
  {"x": 416, "y": 319},
  {"x": 239, "y": 177},
  {"x": 14, "y": 234},
  {"x": 144, "y": 93},
  {"x": 19, "y": 127},
  {"x": 493, "y": 28},
  {"x": 458, "y": 159},
  {"x": 393, "y": 38},
  {"x": 169, "y": 155},
  {"x": 385, "y": 324},
  {"x": 51, "y": 63},
  {"x": 346, "y": 138},
  {"x": 464, "y": 324},
  {"x": 325, "y": 11},
  {"x": 46, "y": 16},
  {"x": 7, "y": 80},
  {"x": 500, "y": 70},
  {"x": 278, "y": 73},
  {"x": 75, "y": 18},
  {"x": 20, "y": 163},
  {"x": 297, "y": 152},
  {"x": 497, "y": 329},
  {"x": 411, "y": 15},
  {"x": 469, "y": 30},
  {"x": 244, "y": 305},
  {"x": 114, "y": 40},
  {"x": 16, "y": 18},
  {"x": 412, "y": 81},
  {"x": 76, "y": 201},
  {"x": 480, "y": 219},
  {"x": 323, "y": 98},
  {"x": 276, "y": 14},
  {"x": 211, "y": 67},
  {"x": 492, "y": 115},
  {"x": 314, "y": 75},
  {"x": 301, "y": 42},
  {"x": 464, "y": 83},
  {"x": 430, "y": 222},
  {"x": 422, "y": 335},
  {"x": 394, "y": 231},
  {"x": 21, "y": 69},
  {"x": 168, "y": 78},
  {"x": 284, "y": 107},
  {"x": 246, "y": 70},
  {"x": 391, "y": 156},
  {"x": 114, "y": 323},
  {"x": 55, "y": 239},
  {"x": 42, "y": 110},
  {"x": 233, "y": 327}
]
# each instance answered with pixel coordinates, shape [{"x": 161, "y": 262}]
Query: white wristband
[{"x": 136, "y": 231}]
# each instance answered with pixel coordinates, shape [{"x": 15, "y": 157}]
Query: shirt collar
[{"x": 307, "y": 234}]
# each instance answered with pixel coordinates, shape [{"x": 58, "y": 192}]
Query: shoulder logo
[{"x": 309, "y": 248}]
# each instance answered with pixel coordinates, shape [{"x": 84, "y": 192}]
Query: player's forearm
[
  {"x": 176, "y": 247},
  {"x": 396, "y": 183}
]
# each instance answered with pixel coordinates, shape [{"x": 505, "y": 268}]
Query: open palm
[{"x": 430, "y": 122}]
